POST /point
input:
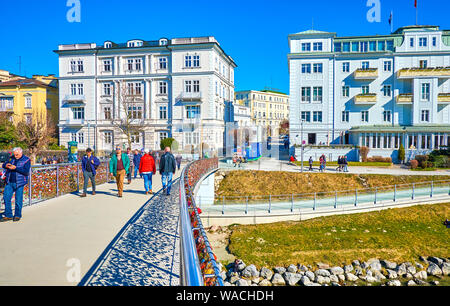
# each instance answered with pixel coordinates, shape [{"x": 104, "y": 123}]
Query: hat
[{"x": 146, "y": 151}]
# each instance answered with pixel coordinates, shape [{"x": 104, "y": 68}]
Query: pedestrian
[
  {"x": 44, "y": 160},
  {"x": 147, "y": 169},
  {"x": 89, "y": 165},
  {"x": 136, "y": 162},
  {"x": 339, "y": 162},
  {"x": 324, "y": 162},
  {"x": 178, "y": 160},
  {"x": 321, "y": 163},
  {"x": 311, "y": 163},
  {"x": 345, "y": 162},
  {"x": 17, "y": 172},
  {"x": 130, "y": 158},
  {"x": 167, "y": 168},
  {"x": 119, "y": 167}
]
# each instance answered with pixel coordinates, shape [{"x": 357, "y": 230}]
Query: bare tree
[
  {"x": 35, "y": 132},
  {"x": 130, "y": 102}
]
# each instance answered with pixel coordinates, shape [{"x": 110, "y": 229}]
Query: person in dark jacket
[
  {"x": 167, "y": 168},
  {"x": 178, "y": 160},
  {"x": 137, "y": 161},
  {"x": 17, "y": 171},
  {"x": 89, "y": 164}
]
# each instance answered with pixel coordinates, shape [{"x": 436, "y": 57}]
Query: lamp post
[
  {"x": 302, "y": 143},
  {"x": 89, "y": 138}
]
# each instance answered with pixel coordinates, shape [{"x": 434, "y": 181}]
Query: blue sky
[{"x": 253, "y": 32}]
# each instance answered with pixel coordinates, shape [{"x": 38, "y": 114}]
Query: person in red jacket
[{"x": 147, "y": 168}]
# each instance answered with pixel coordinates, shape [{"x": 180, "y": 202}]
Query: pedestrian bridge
[{"x": 104, "y": 240}]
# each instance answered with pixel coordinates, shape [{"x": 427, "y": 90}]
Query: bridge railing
[
  {"x": 198, "y": 263},
  {"x": 50, "y": 181}
]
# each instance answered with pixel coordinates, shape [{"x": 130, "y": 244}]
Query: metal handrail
[{"x": 191, "y": 274}]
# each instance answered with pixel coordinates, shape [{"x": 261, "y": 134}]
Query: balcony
[
  {"x": 364, "y": 99},
  {"x": 190, "y": 96},
  {"x": 74, "y": 122},
  {"x": 444, "y": 98},
  {"x": 74, "y": 99},
  {"x": 405, "y": 98},
  {"x": 410, "y": 73},
  {"x": 366, "y": 74}
]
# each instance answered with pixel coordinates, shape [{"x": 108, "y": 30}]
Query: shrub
[
  {"x": 364, "y": 152},
  {"x": 167, "y": 142},
  {"x": 379, "y": 159},
  {"x": 414, "y": 164},
  {"x": 401, "y": 153},
  {"x": 440, "y": 161}
]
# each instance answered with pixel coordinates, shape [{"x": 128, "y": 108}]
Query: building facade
[
  {"x": 375, "y": 91},
  {"x": 267, "y": 108},
  {"x": 179, "y": 86},
  {"x": 23, "y": 98}
]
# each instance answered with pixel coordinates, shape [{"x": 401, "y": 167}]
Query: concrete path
[{"x": 59, "y": 240}]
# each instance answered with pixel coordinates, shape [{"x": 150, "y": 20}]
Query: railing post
[
  {"x": 78, "y": 178},
  {"x": 395, "y": 192},
  {"x": 30, "y": 184},
  {"x": 413, "y": 191},
  {"x": 270, "y": 204},
  {"x": 292, "y": 203},
  {"x": 431, "y": 192},
  {"x": 375, "y": 200},
  {"x": 356, "y": 197},
  {"x": 315, "y": 199},
  {"x": 335, "y": 199},
  {"x": 223, "y": 205},
  {"x": 246, "y": 205},
  {"x": 57, "y": 180}
]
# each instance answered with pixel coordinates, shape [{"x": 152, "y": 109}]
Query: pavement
[{"x": 62, "y": 240}]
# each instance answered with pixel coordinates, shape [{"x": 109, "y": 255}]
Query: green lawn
[{"x": 399, "y": 235}]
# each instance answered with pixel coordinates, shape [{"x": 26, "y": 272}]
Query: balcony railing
[
  {"x": 408, "y": 73},
  {"x": 75, "y": 122},
  {"x": 74, "y": 99},
  {"x": 444, "y": 98},
  {"x": 405, "y": 98},
  {"x": 190, "y": 96},
  {"x": 365, "y": 74},
  {"x": 368, "y": 98}
]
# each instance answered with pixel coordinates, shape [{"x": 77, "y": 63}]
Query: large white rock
[
  {"x": 310, "y": 275},
  {"x": 375, "y": 265},
  {"x": 250, "y": 272},
  {"x": 278, "y": 280},
  {"x": 411, "y": 283},
  {"x": 394, "y": 283},
  {"x": 305, "y": 281},
  {"x": 433, "y": 269},
  {"x": 292, "y": 278},
  {"x": 446, "y": 268},
  {"x": 266, "y": 273},
  {"x": 391, "y": 274},
  {"x": 348, "y": 268},
  {"x": 322, "y": 279},
  {"x": 323, "y": 272},
  {"x": 265, "y": 283},
  {"x": 351, "y": 277},
  {"x": 334, "y": 278},
  {"x": 389, "y": 264},
  {"x": 421, "y": 275},
  {"x": 242, "y": 283},
  {"x": 337, "y": 271},
  {"x": 292, "y": 269}
]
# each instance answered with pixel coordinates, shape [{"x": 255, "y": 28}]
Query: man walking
[
  {"x": 119, "y": 167},
  {"x": 136, "y": 162},
  {"x": 311, "y": 163},
  {"x": 17, "y": 172},
  {"x": 130, "y": 158},
  {"x": 147, "y": 169},
  {"x": 89, "y": 165},
  {"x": 178, "y": 160},
  {"x": 167, "y": 168}
]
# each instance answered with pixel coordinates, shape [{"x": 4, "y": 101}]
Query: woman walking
[
  {"x": 147, "y": 168},
  {"x": 119, "y": 166}
]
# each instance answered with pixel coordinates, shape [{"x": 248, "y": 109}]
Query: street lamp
[
  {"x": 302, "y": 142},
  {"x": 89, "y": 138}
]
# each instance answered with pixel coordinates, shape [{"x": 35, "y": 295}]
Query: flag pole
[{"x": 417, "y": 12}]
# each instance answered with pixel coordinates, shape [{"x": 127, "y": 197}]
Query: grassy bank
[
  {"x": 399, "y": 235},
  {"x": 252, "y": 183}
]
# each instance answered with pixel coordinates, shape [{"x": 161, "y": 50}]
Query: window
[
  {"x": 196, "y": 60},
  {"x": 364, "y": 46},
  {"x": 346, "y": 47},
  {"x": 80, "y": 66},
  {"x": 387, "y": 66},
  {"x": 355, "y": 46},
  {"x": 345, "y": 116},
  {"x": 434, "y": 41},
  {"x": 136, "y": 138},
  {"x": 108, "y": 45},
  {"x": 387, "y": 116},
  {"x": 188, "y": 61},
  {"x": 130, "y": 64},
  {"x": 425, "y": 116},
  {"x": 317, "y": 68},
  {"x": 135, "y": 112},
  {"x": 373, "y": 46},
  {"x": 387, "y": 90},
  {"x": 317, "y": 94},
  {"x": 80, "y": 91},
  {"x": 381, "y": 46},
  {"x": 163, "y": 112},
  {"x": 162, "y": 88},
  {"x": 28, "y": 102},
  {"x": 73, "y": 66},
  {"x": 196, "y": 86},
  {"x": 162, "y": 63},
  {"x": 73, "y": 89},
  {"x": 107, "y": 89},
  {"x": 411, "y": 42},
  {"x": 345, "y": 91},
  {"x": 365, "y": 89},
  {"x": 80, "y": 137},
  {"x": 306, "y": 47},
  {"x": 107, "y": 66},
  {"x": 365, "y": 116},
  {"x": 423, "y": 41},
  {"x": 78, "y": 113},
  {"x": 425, "y": 92},
  {"x": 107, "y": 112},
  {"x": 306, "y": 68},
  {"x": 192, "y": 138},
  {"x": 365, "y": 65},
  {"x": 188, "y": 86},
  {"x": 192, "y": 112},
  {"x": 306, "y": 94},
  {"x": 317, "y": 46},
  {"x": 423, "y": 64},
  {"x": 306, "y": 116},
  {"x": 346, "y": 67},
  {"x": 337, "y": 47},
  {"x": 108, "y": 137},
  {"x": 317, "y": 116},
  {"x": 138, "y": 64},
  {"x": 163, "y": 135}
]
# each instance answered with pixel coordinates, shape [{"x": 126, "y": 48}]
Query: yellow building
[
  {"x": 268, "y": 108},
  {"x": 22, "y": 98}
]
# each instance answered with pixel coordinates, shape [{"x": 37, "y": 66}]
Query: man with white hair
[
  {"x": 17, "y": 172},
  {"x": 167, "y": 168}
]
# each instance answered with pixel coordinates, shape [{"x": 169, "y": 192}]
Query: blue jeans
[
  {"x": 147, "y": 181},
  {"x": 167, "y": 181},
  {"x": 136, "y": 169},
  {"x": 7, "y": 196}
]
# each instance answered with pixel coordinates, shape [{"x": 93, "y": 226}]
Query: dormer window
[
  {"x": 163, "y": 42},
  {"x": 108, "y": 45},
  {"x": 135, "y": 43},
  {"x": 423, "y": 42},
  {"x": 434, "y": 41}
]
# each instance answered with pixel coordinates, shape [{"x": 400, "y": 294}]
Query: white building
[
  {"x": 375, "y": 91},
  {"x": 181, "y": 86}
]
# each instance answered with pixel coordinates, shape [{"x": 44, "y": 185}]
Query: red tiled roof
[{"x": 24, "y": 82}]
